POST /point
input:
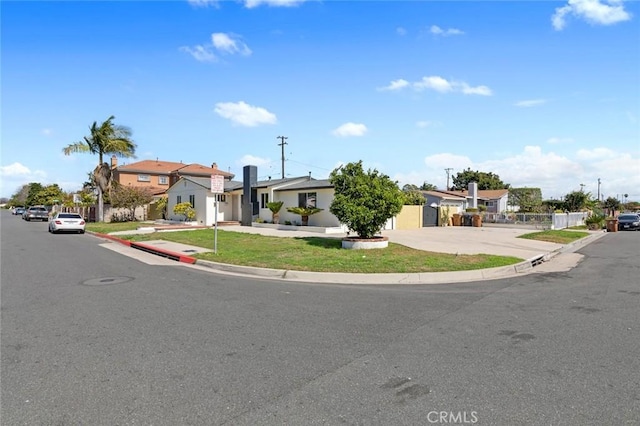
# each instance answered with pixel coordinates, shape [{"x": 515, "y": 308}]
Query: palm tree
[
  {"x": 106, "y": 139},
  {"x": 304, "y": 213}
]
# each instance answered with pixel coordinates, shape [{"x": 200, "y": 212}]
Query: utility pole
[
  {"x": 598, "y": 189},
  {"x": 582, "y": 185},
  {"x": 282, "y": 144},
  {"x": 448, "y": 170}
]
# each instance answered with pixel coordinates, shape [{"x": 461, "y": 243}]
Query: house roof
[
  {"x": 229, "y": 185},
  {"x": 485, "y": 194},
  {"x": 445, "y": 195},
  {"x": 276, "y": 182},
  {"x": 169, "y": 167},
  {"x": 308, "y": 184}
]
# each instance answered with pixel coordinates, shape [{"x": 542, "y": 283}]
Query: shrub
[{"x": 185, "y": 209}]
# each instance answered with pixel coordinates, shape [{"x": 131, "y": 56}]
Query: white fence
[{"x": 538, "y": 220}]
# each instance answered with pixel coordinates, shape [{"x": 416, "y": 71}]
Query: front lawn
[
  {"x": 321, "y": 254},
  {"x": 560, "y": 236}
]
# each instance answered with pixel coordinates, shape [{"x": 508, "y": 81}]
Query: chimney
[
  {"x": 114, "y": 162},
  {"x": 214, "y": 165},
  {"x": 473, "y": 193}
]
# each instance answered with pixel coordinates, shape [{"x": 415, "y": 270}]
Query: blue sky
[{"x": 544, "y": 94}]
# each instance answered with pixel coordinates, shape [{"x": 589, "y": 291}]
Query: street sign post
[{"x": 217, "y": 187}]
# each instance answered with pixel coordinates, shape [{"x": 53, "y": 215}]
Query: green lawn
[
  {"x": 320, "y": 254},
  {"x": 556, "y": 236},
  {"x": 106, "y": 227}
]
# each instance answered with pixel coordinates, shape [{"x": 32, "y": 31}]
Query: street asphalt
[{"x": 539, "y": 256}]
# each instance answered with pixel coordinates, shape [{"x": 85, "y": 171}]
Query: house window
[
  {"x": 163, "y": 180},
  {"x": 491, "y": 203},
  {"x": 144, "y": 178},
  {"x": 264, "y": 199},
  {"x": 178, "y": 199},
  {"x": 222, "y": 198},
  {"x": 192, "y": 201},
  {"x": 306, "y": 199}
]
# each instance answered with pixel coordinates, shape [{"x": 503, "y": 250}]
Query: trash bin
[
  {"x": 466, "y": 220},
  {"x": 457, "y": 219},
  {"x": 476, "y": 220},
  {"x": 612, "y": 225}
]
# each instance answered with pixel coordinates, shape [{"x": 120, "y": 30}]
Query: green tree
[
  {"x": 33, "y": 195},
  {"x": 50, "y": 195},
  {"x": 529, "y": 200},
  {"x": 428, "y": 187},
  {"x": 105, "y": 139},
  {"x": 130, "y": 198},
  {"x": 578, "y": 201},
  {"x": 612, "y": 204},
  {"x": 410, "y": 187},
  {"x": 413, "y": 198},
  {"x": 364, "y": 201},
  {"x": 20, "y": 196},
  {"x": 484, "y": 180}
]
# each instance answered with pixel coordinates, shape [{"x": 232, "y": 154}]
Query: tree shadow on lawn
[{"x": 322, "y": 242}]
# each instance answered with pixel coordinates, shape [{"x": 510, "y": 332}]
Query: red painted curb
[
  {"x": 166, "y": 253},
  {"x": 149, "y": 249}
]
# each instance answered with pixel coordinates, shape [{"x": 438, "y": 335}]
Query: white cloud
[
  {"x": 243, "y": 114},
  {"x": 555, "y": 174},
  {"x": 436, "y": 30},
  {"x": 441, "y": 85},
  {"x": 15, "y": 169},
  {"x": 436, "y": 83},
  {"x": 350, "y": 129},
  {"x": 226, "y": 43},
  {"x": 229, "y": 43},
  {"x": 401, "y": 31},
  {"x": 203, "y": 3},
  {"x": 478, "y": 90},
  {"x": 250, "y": 4},
  {"x": 252, "y": 160},
  {"x": 13, "y": 176},
  {"x": 46, "y": 132},
  {"x": 395, "y": 85},
  {"x": 597, "y": 12},
  {"x": 555, "y": 140},
  {"x": 530, "y": 103},
  {"x": 423, "y": 124},
  {"x": 200, "y": 53}
]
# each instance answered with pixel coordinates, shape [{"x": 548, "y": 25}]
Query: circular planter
[{"x": 357, "y": 243}]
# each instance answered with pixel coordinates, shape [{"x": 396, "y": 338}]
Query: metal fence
[{"x": 538, "y": 220}]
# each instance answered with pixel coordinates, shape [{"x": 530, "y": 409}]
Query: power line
[
  {"x": 448, "y": 170},
  {"x": 282, "y": 144}
]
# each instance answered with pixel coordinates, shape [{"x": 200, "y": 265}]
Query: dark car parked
[
  {"x": 628, "y": 222},
  {"x": 36, "y": 213}
]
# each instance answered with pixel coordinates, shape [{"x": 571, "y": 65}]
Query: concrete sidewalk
[{"x": 462, "y": 240}]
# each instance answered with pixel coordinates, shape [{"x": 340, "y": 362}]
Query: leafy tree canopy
[
  {"x": 529, "y": 200},
  {"x": 612, "y": 204},
  {"x": 484, "y": 180},
  {"x": 413, "y": 198},
  {"x": 130, "y": 198},
  {"x": 579, "y": 201},
  {"x": 364, "y": 201}
]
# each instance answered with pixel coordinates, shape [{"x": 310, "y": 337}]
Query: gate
[{"x": 429, "y": 216}]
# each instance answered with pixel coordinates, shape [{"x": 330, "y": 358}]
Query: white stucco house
[{"x": 301, "y": 191}]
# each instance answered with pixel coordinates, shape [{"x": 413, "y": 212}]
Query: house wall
[
  {"x": 132, "y": 179},
  {"x": 410, "y": 217},
  {"x": 324, "y": 197}
]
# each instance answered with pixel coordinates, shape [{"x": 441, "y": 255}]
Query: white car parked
[{"x": 66, "y": 222}]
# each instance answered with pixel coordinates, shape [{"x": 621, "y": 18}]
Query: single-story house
[
  {"x": 302, "y": 191},
  {"x": 496, "y": 200}
]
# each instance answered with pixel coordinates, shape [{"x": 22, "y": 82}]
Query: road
[{"x": 92, "y": 337}]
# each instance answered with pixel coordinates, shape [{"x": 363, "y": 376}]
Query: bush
[{"x": 185, "y": 209}]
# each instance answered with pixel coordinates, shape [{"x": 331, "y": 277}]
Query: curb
[{"x": 149, "y": 249}]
